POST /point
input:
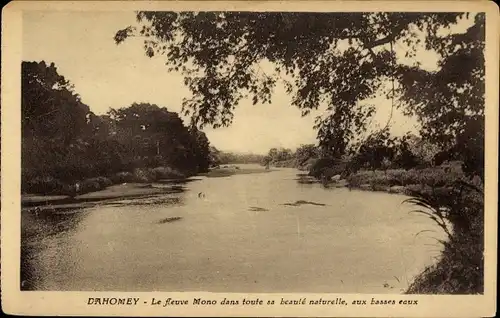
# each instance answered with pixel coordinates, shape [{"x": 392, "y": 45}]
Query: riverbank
[
  {"x": 400, "y": 181},
  {"x": 49, "y": 186},
  {"x": 113, "y": 192},
  {"x": 293, "y": 163},
  {"x": 460, "y": 267},
  {"x": 230, "y": 170},
  {"x": 142, "y": 185}
]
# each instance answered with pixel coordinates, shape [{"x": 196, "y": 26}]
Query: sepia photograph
[{"x": 253, "y": 152}]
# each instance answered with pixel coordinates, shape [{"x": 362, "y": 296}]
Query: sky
[{"x": 107, "y": 75}]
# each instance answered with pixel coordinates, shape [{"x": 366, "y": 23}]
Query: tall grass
[
  {"x": 432, "y": 177},
  {"x": 460, "y": 213}
]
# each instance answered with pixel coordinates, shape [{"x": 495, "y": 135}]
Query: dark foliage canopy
[
  {"x": 63, "y": 139},
  {"x": 219, "y": 54}
]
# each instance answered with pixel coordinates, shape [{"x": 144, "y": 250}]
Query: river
[{"x": 238, "y": 236}]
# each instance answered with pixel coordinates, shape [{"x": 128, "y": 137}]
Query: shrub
[
  {"x": 430, "y": 177},
  {"x": 92, "y": 184},
  {"x": 89, "y": 185},
  {"x": 327, "y": 167},
  {"x": 122, "y": 177},
  {"x": 102, "y": 181},
  {"x": 379, "y": 187},
  {"x": 359, "y": 178},
  {"x": 143, "y": 175},
  {"x": 166, "y": 173},
  {"x": 43, "y": 185}
]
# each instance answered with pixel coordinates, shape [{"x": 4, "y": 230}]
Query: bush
[
  {"x": 43, "y": 185},
  {"x": 143, "y": 175},
  {"x": 430, "y": 177},
  {"x": 327, "y": 167},
  {"x": 93, "y": 184},
  {"x": 103, "y": 182},
  {"x": 289, "y": 163},
  {"x": 89, "y": 185},
  {"x": 167, "y": 173},
  {"x": 379, "y": 187},
  {"x": 122, "y": 177}
]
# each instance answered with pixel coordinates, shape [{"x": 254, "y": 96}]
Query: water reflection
[
  {"x": 37, "y": 227},
  {"x": 304, "y": 178},
  {"x": 48, "y": 222}
]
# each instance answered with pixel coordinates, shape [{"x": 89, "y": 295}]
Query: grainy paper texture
[{"x": 274, "y": 181}]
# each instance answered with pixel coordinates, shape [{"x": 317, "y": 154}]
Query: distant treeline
[
  {"x": 380, "y": 151},
  {"x": 64, "y": 143},
  {"x": 219, "y": 157}
]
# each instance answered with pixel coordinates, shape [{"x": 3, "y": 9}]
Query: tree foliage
[
  {"x": 377, "y": 149},
  {"x": 218, "y": 157},
  {"x": 404, "y": 156},
  {"x": 450, "y": 101},
  {"x": 219, "y": 54},
  {"x": 64, "y": 141},
  {"x": 50, "y": 107},
  {"x": 305, "y": 153},
  {"x": 276, "y": 155}
]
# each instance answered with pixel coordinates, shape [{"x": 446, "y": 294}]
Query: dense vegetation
[
  {"x": 64, "y": 143},
  {"x": 302, "y": 158},
  {"x": 340, "y": 59},
  {"x": 219, "y": 157}
]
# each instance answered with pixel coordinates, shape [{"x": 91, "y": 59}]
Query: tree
[
  {"x": 450, "y": 101},
  {"x": 201, "y": 150},
  {"x": 422, "y": 149},
  {"x": 54, "y": 124},
  {"x": 340, "y": 59},
  {"x": 278, "y": 154},
  {"x": 273, "y": 153},
  {"x": 377, "y": 149},
  {"x": 284, "y": 154},
  {"x": 50, "y": 108},
  {"x": 215, "y": 159},
  {"x": 148, "y": 131},
  {"x": 218, "y": 54},
  {"x": 305, "y": 153},
  {"x": 404, "y": 157}
]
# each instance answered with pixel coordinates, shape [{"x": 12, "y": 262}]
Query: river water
[{"x": 239, "y": 237}]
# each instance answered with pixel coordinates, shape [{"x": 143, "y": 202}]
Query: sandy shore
[{"x": 126, "y": 190}]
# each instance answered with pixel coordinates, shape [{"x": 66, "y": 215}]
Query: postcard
[{"x": 249, "y": 158}]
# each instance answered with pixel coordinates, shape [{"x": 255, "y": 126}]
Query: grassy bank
[
  {"x": 435, "y": 179},
  {"x": 51, "y": 186},
  {"x": 121, "y": 185}
]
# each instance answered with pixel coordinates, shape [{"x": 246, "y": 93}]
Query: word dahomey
[{"x": 112, "y": 301}]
